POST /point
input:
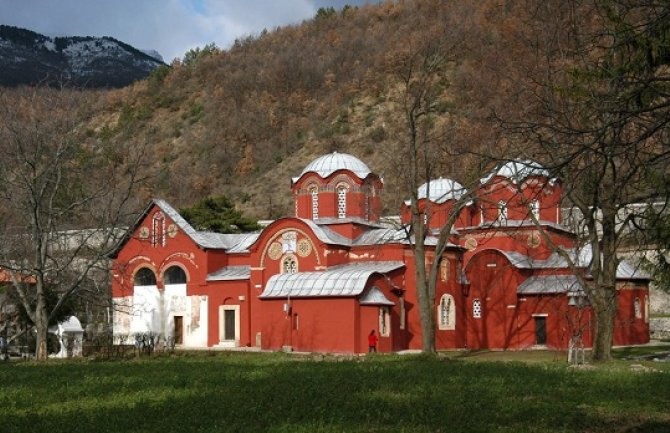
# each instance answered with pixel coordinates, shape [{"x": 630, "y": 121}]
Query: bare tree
[
  {"x": 424, "y": 152},
  {"x": 602, "y": 115},
  {"x": 66, "y": 195}
]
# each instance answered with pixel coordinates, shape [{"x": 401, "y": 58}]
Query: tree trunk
[
  {"x": 41, "y": 328},
  {"x": 604, "y": 268},
  {"x": 604, "y": 332},
  {"x": 423, "y": 298}
]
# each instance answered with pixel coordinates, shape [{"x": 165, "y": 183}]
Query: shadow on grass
[{"x": 274, "y": 393}]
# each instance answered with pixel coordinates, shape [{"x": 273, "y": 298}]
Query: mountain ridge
[{"x": 29, "y": 58}]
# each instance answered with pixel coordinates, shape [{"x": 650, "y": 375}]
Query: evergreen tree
[{"x": 218, "y": 214}]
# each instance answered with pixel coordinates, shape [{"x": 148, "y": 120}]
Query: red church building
[{"x": 323, "y": 279}]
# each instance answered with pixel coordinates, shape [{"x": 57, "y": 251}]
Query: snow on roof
[
  {"x": 344, "y": 280},
  {"x": 517, "y": 171},
  {"x": 328, "y": 164},
  {"x": 440, "y": 190}
]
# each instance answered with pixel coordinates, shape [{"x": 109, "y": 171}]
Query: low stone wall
[
  {"x": 660, "y": 300},
  {"x": 659, "y": 328}
]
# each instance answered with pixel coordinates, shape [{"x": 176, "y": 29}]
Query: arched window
[
  {"x": 638, "y": 308},
  {"x": 145, "y": 277},
  {"x": 289, "y": 265},
  {"x": 174, "y": 275},
  {"x": 502, "y": 210},
  {"x": 535, "y": 208},
  {"x": 314, "y": 192},
  {"x": 446, "y": 313},
  {"x": 476, "y": 308},
  {"x": 342, "y": 201}
]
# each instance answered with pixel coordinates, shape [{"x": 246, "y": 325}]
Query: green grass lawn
[{"x": 282, "y": 393}]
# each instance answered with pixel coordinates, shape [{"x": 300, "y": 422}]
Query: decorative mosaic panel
[
  {"x": 275, "y": 251},
  {"x": 304, "y": 248}
]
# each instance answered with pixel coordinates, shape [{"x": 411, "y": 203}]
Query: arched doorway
[{"x": 146, "y": 304}]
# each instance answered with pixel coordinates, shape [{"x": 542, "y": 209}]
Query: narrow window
[
  {"x": 341, "y": 202},
  {"x": 502, "y": 210},
  {"x": 444, "y": 269},
  {"x": 367, "y": 205},
  {"x": 446, "y": 313},
  {"x": 646, "y": 309},
  {"x": 158, "y": 232},
  {"x": 315, "y": 203},
  {"x": 638, "y": 308},
  {"x": 476, "y": 309},
  {"x": 535, "y": 208},
  {"x": 289, "y": 265},
  {"x": 384, "y": 322}
]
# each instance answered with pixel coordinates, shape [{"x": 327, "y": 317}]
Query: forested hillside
[{"x": 242, "y": 121}]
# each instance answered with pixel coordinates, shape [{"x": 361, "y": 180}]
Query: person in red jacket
[{"x": 372, "y": 341}]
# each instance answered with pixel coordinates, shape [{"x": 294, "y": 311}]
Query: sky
[{"x": 171, "y": 27}]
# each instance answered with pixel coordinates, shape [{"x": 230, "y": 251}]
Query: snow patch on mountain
[
  {"x": 27, "y": 57},
  {"x": 154, "y": 54}
]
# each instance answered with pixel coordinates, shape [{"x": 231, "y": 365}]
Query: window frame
[
  {"x": 446, "y": 313},
  {"x": 289, "y": 258},
  {"x": 477, "y": 308},
  {"x": 384, "y": 322},
  {"x": 341, "y": 195}
]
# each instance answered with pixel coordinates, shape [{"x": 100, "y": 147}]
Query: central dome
[{"x": 326, "y": 165}]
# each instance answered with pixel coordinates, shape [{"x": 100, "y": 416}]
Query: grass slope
[{"x": 279, "y": 393}]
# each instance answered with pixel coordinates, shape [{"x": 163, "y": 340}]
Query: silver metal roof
[
  {"x": 380, "y": 237},
  {"x": 550, "y": 284},
  {"x": 175, "y": 217},
  {"x": 508, "y": 223},
  {"x": 232, "y": 242},
  {"x": 346, "y": 220},
  {"x": 339, "y": 281},
  {"x": 230, "y": 273},
  {"x": 517, "y": 171},
  {"x": 440, "y": 190},
  {"x": 326, "y": 235},
  {"x": 581, "y": 259},
  {"x": 374, "y": 296},
  {"x": 243, "y": 242},
  {"x": 326, "y": 165}
]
